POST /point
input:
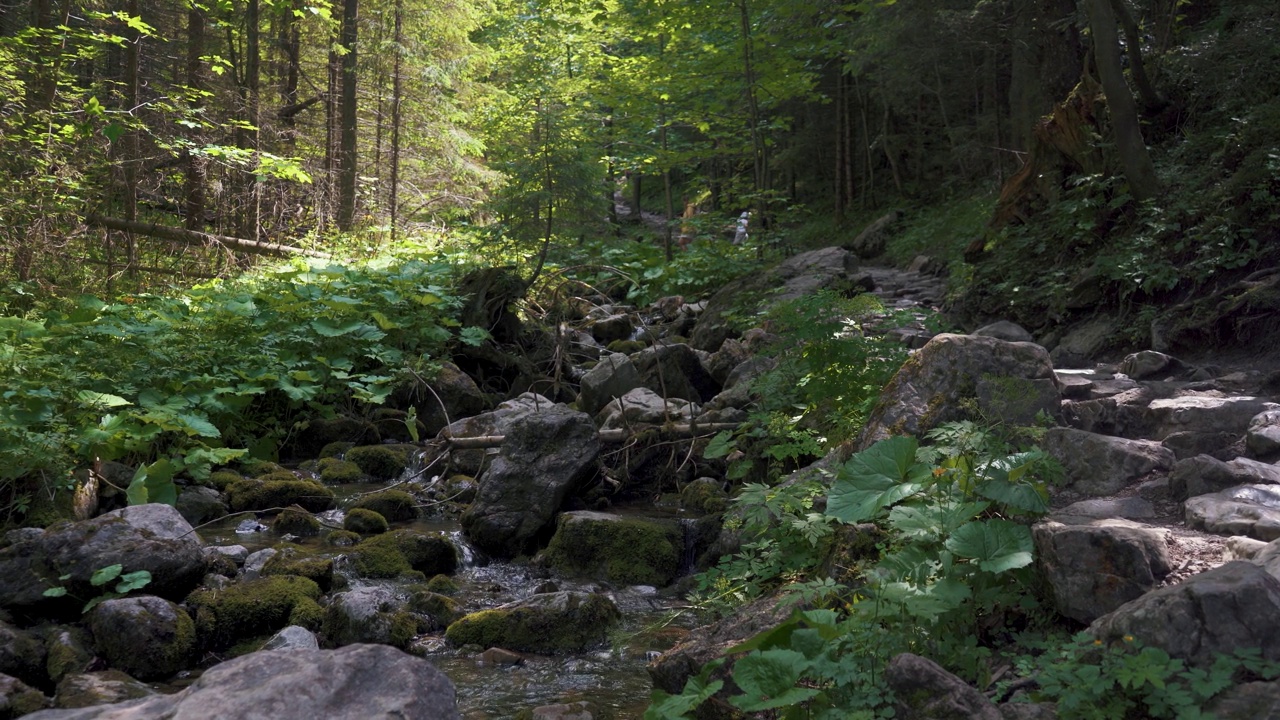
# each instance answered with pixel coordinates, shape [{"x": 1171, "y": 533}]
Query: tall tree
[{"x": 1138, "y": 168}]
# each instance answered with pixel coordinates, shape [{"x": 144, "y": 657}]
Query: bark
[
  {"x": 347, "y": 133},
  {"x": 1046, "y": 62},
  {"x": 189, "y": 237},
  {"x": 1130, "y": 147},
  {"x": 1152, "y": 101},
  {"x": 197, "y": 166},
  {"x": 396, "y": 100}
]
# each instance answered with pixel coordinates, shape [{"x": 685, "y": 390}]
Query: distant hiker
[
  {"x": 740, "y": 235},
  {"x": 686, "y": 227}
]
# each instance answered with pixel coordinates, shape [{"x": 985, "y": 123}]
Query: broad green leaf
[
  {"x": 876, "y": 478},
  {"x": 153, "y": 484},
  {"x": 55, "y": 592},
  {"x": 720, "y": 445},
  {"x": 133, "y": 581},
  {"x": 998, "y": 545},
  {"x": 102, "y": 576},
  {"x": 97, "y": 399},
  {"x": 196, "y": 425},
  {"x": 768, "y": 680}
]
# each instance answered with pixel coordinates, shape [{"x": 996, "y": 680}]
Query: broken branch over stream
[{"x": 665, "y": 432}]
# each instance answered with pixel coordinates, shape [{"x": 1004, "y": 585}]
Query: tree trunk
[
  {"x": 347, "y": 134},
  {"x": 1151, "y": 99},
  {"x": 197, "y": 165},
  {"x": 396, "y": 99},
  {"x": 1135, "y": 160},
  {"x": 249, "y": 213}
]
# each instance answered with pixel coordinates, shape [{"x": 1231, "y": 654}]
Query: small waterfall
[
  {"x": 467, "y": 554},
  {"x": 689, "y": 558}
]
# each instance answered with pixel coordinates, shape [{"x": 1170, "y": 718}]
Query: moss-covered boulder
[
  {"x": 22, "y": 655},
  {"x": 321, "y": 432},
  {"x": 255, "y": 607},
  {"x": 103, "y": 687},
  {"x": 146, "y": 636},
  {"x": 364, "y": 521},
  {"x": 336, "y": 449},
  {"x": 18, "y": 698},
  {"x": 382, "y": 462},
  {"x": 70, "y": 651},
  {"x": 220, "y": 479},
  {"x": 608, "y": 547},
  {"x": 440, "y": 610},
  {"x": 295, "y": 561},
  {"x": 279, "y": 490},
  {"x": 342, "y": 538},
  {"x": 296, "y": 521},
  {"x": 394, "y": 505},
  {"x": 704, "y": 496},
  {"x": 370, "y": 615},
  {"x": 442, "y": 584},
  {"x": 403, "y": 551},
  {"x": 561, "y": 622},
  {"x": 333, "y": 471}
]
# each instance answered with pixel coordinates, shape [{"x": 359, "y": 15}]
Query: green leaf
[
  {"x": 102, "y": 576},
  {"x": 133, "y": 581},
  {"x": 876, "y": 478},
  {"x": 54, "y": 592},
  {"x": 720, "y": 445},
  {"x": 998, "y": 545},
  {"x": 768, "y": 680},
  {"x": 97, "y": 399},
  {"x": 474, "y": 336},
  {"x": 153, "y": 484}
]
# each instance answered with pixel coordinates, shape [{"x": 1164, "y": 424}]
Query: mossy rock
[
  {"x": 562, "y": 622},
  {"x": 336, "y": 449},
  {"x": 397, "y": 553},
  {"x": 219, "y": 480},
  {"x": 605, "y": 546},
  {"x": 442, "y": 610},
  {"x": 342, "y": 538},
  {"x": 393, "y": 424},
  {"x": 293, "y": 561},
  {"x": 443, "y": 584},
  {"x": 394, "y": 505},
  {"x": 262, "y": 468},
  {"x": 296, "y": 521},
  {"x": 626, "y": 347},
  {"x": 277, "y": 490},
  {"x": 308, "y": 614},
  {"x": 336, "y": 472},
  {"x": 704, "y": 496},
  {"x": 383, "y": 462},
  {"x": 364, "y": 521},
  {"x": 255, "y": 607}
]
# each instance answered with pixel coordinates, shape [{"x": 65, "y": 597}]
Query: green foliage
[
  {"x": 180, "y": 384},
  {"x": 1089, "y": 681},
  {"x": 127, "y": 583},
  {"x": 953, "y": 566}
]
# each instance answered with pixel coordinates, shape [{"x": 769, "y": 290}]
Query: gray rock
[
  {"x": 614, "y": 327},
  {"x": 1250, "y": 701},
  {"x": 1074, "y": 386},
  {"x": 1095, "y": 566},
  {"x": 626, "y": 551},
  {"x": 1028, "y": 711},
  {"x": 611, "y": 378},
  {"x": 1101, "y": 464},
  {"x": 82, "y": 690},
  {"x": 22, "y": 655},
  {"x": 255, "y": 562},
  {"x": 199, "y": 505},
  {"x": 293, "y": 637},
  {"x": 1204, "y": 414},
  {"x": 722, "y": 362},
  {"x": 643, "y": 406},
  {"x": 1262, "y": 438},
  {"x": 1218, "y": 611},
  {"x": 1005, "y": 330},
  {"x": 543, "y": 458},
  {"x": 1141, "y": 365},
  {"x": 928, "y": 389},
  {"x": 1204, "y": 475},
  {"x": 581, "y": 710},
  {"x": 146, "y": 636},
  {"x": 1185, "y": 444},
  {"x": 675, "y": 371},
  {"x": 356, "y": 682},
  {"x": 70, "y": 651},
  {"x": 925, "y": 691},
  {"x": 496, "y": 422},
  {"x": 1239, "y": 547},
  {"x": 460, "y": 395},
  {"x": 238, "y": 554},
  {"x": 153, "y": 537},
  {"x": 1252, "y": 510},
  {"x": 1129, "y": 508},
  {"x": 871, "y": 241},
  {"x": 1083, "y": 342},
  {"x": 368, "y": 615}
]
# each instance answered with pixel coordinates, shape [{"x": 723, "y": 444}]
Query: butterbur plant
[{"x": 125, "y": 584}]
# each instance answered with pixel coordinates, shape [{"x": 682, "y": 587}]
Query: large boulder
[
  {"x": 369, "y": 615},
  {"x": 611, "y": 378},
  {"x": 631, "y": 551},
  {"x": 22, "y": 655},
  {"x": 558, "y": 622},
  {"x": 255, "y": 607},
  {"x": 1101, "y": 464},
  {"x": 102, "y": 687},
  {"x": 448, "y": 396},
  {"x": 399, "y": 552},
  {"x": 1007, "y": 380},
  {"x": 17, "y": 698},
  {"x": 1251, "y": 510},
  {"x": 1219, "y": 611},
  {"x": 797, "y": 276},
  {"x": 675, "y": 371},
  {"x": 1095, "y": 566},
  {"x": 146, "y": 636},
  {"x": 356, "y": 682},
  {"x": 1203, "y": 475},
  {"x": 643, "y": 406},
  {"x": 495, "y": 422},
  {"x": 544, "y": 457},
  {"x": 154, "y": 538},
  {"x": 923, "y": 690},
  {"x": 1263, "y": 436},
  {"x": 1205, "y": 414}
]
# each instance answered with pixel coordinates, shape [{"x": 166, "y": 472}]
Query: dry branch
[
  {"x": 191, "y": 237},
  {"x": 683, "y": 432}
]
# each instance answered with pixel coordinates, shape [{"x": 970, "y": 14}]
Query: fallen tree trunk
[
  {"x": 192, "y": 237},
  {"x": 675, "y": 432}
]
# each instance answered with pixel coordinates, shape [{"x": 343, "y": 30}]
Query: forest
[{"x": 228, "y": 224}]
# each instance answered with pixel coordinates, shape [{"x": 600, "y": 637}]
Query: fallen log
[
  {"x": 192, "y": 237},
  {"x": 669, "y": 432}
]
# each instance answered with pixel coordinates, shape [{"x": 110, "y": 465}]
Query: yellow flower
[{"x": 1128, "y": 638}]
